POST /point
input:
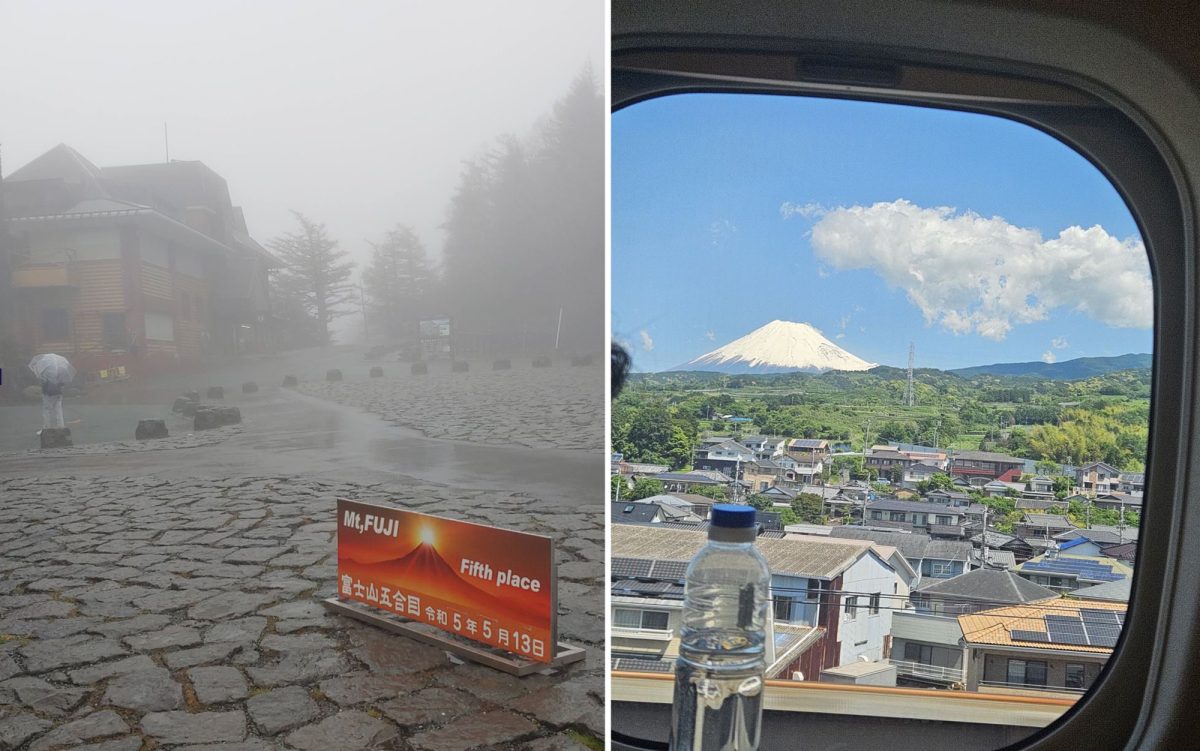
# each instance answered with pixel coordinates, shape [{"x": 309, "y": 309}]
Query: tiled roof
[
  {"x": 990, "y": 585},
  {"x": 996, "y": 626}
]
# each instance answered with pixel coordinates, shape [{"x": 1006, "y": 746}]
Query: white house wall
[{"x": 863, "y": 636}]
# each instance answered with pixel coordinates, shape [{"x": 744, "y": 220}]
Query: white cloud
[
  {"x": 1059, "y": 342},
  {"x": 844, "y": 321},
  {"x": 1048, "y": 356},
  {"x": 710, "y": 336},
  {"x": 972, "y": 274},
  {"x": 647, "y": 342},
  {"x": 787, "y": 210},
  {"x": 822, "y": 272},
  {"x": 840, "y": 336}
]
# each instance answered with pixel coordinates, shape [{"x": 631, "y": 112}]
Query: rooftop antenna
[{"x": 910, "y": 396}]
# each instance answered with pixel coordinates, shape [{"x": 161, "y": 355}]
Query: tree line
[{"x": 524, "y": 247}]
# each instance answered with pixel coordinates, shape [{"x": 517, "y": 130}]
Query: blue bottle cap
[{"x": 732, "y": 516}]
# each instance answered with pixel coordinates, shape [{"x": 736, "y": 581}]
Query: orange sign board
[{"x": 490, "y": 585}]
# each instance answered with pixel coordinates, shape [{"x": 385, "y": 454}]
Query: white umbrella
[{"x": 52, "y": 368}]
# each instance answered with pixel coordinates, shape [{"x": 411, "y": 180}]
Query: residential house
[
  {"x": 918, "y": 514},
  {"x": 1055, "y": 646},
  {"x": 1097, "y": 478},
  {"x": 680, "y": 506},
  {"x": 955, "y": 498},
  {"x": 1126, "y": 552},
  {"x": 808, "y": 579},
  {"x": 764, "y": 473},
  {"x": 998, "y": 489},
  {"x": 1063, "y": 571},
  {"x": 885, "y": 460},
  {"x": 1020, "y": 549},
  {"x": 636, "y": 513},
  {"x": 765, "y": 446},
  {"x": 1042, "y": 526},
  {"x": 1118, "y": 502},
  {"x": 684, "y": 482},
  {"x": 918, "y": 473},
  {"x": 937, "y": 559},
  {"x": 1042, "y": 485},
  {"x": 811, "y": 455},
  {"x": 927, "y": 644},
  {"x": 1114, "y": 591},
  {"x": 1132, "y": 483},
  {"x": 981, "y": 467},
  {"x": 1039, "y": 504},
  {"x": 146, "y": 267},
  {"x": 728, "y": 456}
]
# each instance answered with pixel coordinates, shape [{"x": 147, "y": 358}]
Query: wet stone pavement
[
  {"x": 555, "y": 407},
  {"x": 144, "y": 613}
]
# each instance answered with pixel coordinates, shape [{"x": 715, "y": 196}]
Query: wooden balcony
[{"x": 44, "y": 275}]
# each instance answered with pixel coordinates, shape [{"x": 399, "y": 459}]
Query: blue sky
[{"x": 877, "y": 224}]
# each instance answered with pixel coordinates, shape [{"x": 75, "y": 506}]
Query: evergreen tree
[
  {"x": 397, "y": 281},
  {"x": 315, "y": 273}
]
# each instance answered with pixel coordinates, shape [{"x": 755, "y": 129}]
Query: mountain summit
[{"x": 778, "y": 347}]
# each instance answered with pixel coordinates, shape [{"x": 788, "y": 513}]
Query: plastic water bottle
[{"x": 719, "y": 674}]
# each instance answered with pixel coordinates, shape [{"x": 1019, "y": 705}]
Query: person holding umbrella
[{"x": 54, "y": 372}]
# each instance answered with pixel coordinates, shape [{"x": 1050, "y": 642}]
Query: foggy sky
[{"x": 358, "y": 114}]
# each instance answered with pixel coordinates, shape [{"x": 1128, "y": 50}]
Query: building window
[
  {"x": 922, "y": 653},
  {"x": 1027, "y": 672},
  {"x": 876, "y": 514},
  {"x": 939, "y": 569},
  {"x": 945, "y": 520},
  {"x": 1075, "y": 676},
  {"x": 647, "y": 620},
  {"x": 898, "y": 516},
  {"x": 113, "y": 328},
  {"x": 852, "y": 607},
  {"x": 56, "y": 324},
  {"x": 783, "y": 608},
  {"x": 875, "y": 603}
]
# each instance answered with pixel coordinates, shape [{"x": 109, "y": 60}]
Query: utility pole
[{"x": 910, "y": 396}]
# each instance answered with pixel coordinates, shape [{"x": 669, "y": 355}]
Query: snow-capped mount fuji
[{"x": 778, "y": 347}]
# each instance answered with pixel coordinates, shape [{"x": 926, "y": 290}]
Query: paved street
[{"x": 165, "y": 594}]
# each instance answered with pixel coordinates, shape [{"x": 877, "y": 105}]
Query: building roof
[
  {"x": 1026, "y": 626},
  {"x": 912, "y": 545},
  {"x": 920, "y": 507},
  {"x": 1117, "y": 591},
  {"x": 1055, "y": 521},
  {"x": 993, "y": 539},
  {"x": 1002, "y": 559},
  {"x": 1120, "y": 498},
  {"x": 988, "y": 585},
  {"x": 1110, "y": 469},
  {"x": 807, "y": 443},
  {"x": 700, "y": 476},
  {"x": 921, "y": 468},
  {"x": 809, "y": 557},
  {"x": 634, "y": 513},
  {"x": 986, "y": 456},
  {"x": 1126, "y": 552},
  {"x": 1095, "y": 569}
]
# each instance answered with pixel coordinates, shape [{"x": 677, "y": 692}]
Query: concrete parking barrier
[
  {"x": 147, "y": 429},
  {"x": 56, "y": 438},
  {"x": 289, "y": 380},
  {"x": 333, "y": 374},
  {"x": 459, "y": 366},
  {"x": 419, "y": 368},
  {"x": 541, "y": 362},
  {"x": 181, "y": 403},
  {"x": 249, "y": 387},
  {"x": 229, "y": 415},
  {"x": 502, "y": 365},
  {"x": 193, "y": 395},
  {"x": 377, "y": 372},
  {"x": 581, "y": 361},
  {"x": 215, "y": 392},
  {"x": 205, "y": 418},
  {"x": 189, "y": 409}
]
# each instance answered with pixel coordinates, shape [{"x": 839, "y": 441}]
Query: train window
[{"x": 928, "y": 334}]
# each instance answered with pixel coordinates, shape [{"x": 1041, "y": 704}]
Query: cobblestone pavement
[
  {"x": 186, "y": 440},
  {"x": 555, "y": 407},
  {"x": 143, "y": 612}
]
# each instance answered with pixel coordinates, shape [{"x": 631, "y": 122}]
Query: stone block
[
  {"x": 181, "y": 403},
  {"x": 216, "y": 392},
  {"x": 333, "y": 374},
  {"x": 189, "y": 409},
  {"x": 581, "y": 361},
  {"x": 541, "y": 362},
  {"x": 56, "y": 438},
  {"x": 147, "y": 429},
  {"x": 193, "y": 395},
  {"x": 459, "y": 366},
  {"x": 377, "y": 372},
  {"x": 249, "y": 387},
  {"x": 206, "y": 418},
  {"x": 420, "y": 368},
  {"x": 290, "y": 381},
  {"x": 229, "y": 415},
  {"x": 502, "y": 365}
]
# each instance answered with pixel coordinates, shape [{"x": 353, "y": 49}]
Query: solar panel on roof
[
  {"x": 1121, "y": 618},
  {"x": 1091, "y": 615},
  {"x": 674, "y": 570},
  {"x": 1066, "y": 629},
  {"x": 628, "y": 568},
  {"x": 1029, "y": 636}
]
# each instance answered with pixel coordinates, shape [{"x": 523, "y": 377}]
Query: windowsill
[{"x": 641, "y": 633}]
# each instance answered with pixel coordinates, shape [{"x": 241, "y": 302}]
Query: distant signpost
[
  {"x": 408, "y": 571},
  {"x": 436, "y": 338}
]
